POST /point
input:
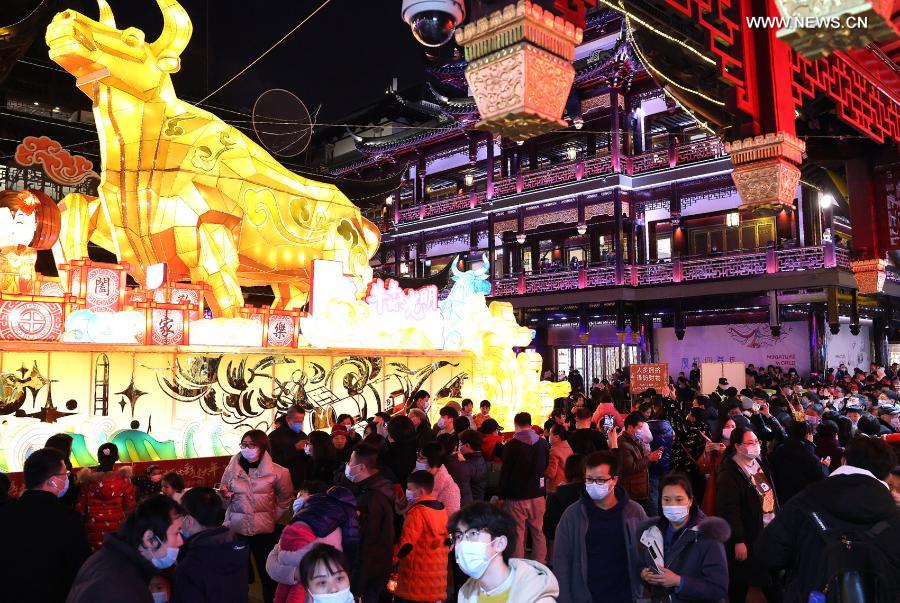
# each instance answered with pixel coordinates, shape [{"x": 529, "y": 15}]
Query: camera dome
[
  {"x": 432, "y": 28},
  {"x": 433, "y": 21}
]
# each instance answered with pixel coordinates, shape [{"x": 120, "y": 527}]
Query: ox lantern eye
[{"x": 133, "y": 37}]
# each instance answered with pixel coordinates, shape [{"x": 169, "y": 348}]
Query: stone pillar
[
  {"x": 832, "y": 312},
  {"x": 535, "y": 255},
  {"x": 594, "y": 238},
  {"x": 880, "y": 341},
  {"x": 591, "y": 144}
]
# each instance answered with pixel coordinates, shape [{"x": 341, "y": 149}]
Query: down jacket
[
  {"x": 422, "y": 574},
  {"x": 325, "y": 518},
  {"x": 258, "y": 498},
  {"x": 697, "y": 555},
  {"x": 104, "y": 499}
]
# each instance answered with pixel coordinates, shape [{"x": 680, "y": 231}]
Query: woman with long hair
[
  {"x": 105, "y": 495},
  {"x": 257, "y": 492},
  {"x": 320, "y": 448}
]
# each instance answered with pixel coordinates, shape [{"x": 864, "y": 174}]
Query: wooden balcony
[{"x": 689, "y": 269}]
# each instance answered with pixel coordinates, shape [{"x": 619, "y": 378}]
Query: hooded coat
[
  {"x": 525, "y": 459},
  {"x": 114, "y": 574},
  {"x": 104, "y": 499},
  {"x": 212, "y": 568},
  {"x": 258, "y": 497},
  {"x": 697, "y": 555},
  {"x": 532, "y": 583},
  {"x": 325, "y": 518},
  {"x": 422, "y": 573},
  {"x": 852, "y": 502}
]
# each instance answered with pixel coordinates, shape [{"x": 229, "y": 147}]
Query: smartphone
[{"x": 756, "y": 407}]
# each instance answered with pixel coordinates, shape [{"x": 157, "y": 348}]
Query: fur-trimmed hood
[{"x": 87, "y": 476}]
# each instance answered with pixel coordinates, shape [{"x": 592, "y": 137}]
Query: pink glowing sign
[{"x": 388, "y": 298}]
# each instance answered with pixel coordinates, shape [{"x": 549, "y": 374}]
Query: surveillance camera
[{"x": 433, "y": 21}]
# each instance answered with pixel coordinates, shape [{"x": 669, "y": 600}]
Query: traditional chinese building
[{"x": 622, "y": 237}]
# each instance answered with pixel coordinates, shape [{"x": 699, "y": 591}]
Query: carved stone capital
[
  {"x": 870, "y": 275},
  {"x": 766, "y": 169},
  {"x": 816, "y": 28}
]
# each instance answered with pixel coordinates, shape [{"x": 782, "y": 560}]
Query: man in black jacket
[
  {"x": 374, "y": 501},
  {"x": 287, "y": 445},
  {"x": 795, "y": 463},
  {"x": 522, "y": 487},
  {"x": 584, "y": 439},
  {"x": 214, "y": 560},
  {"x": 42, "y": 541},
  {"x": 854, "y": 498},
  {"x": 120, "y": 571}
]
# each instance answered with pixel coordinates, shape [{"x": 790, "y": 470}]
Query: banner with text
[{"x": 748, "y": 343}]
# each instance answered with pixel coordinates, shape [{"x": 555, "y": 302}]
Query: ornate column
[
  {"x": 869, "y": 269},
  {"x": 618, "y": 236},
  {"x": 489, "y": 178},
  {"x": 492, "y": 246},
  {"x": 614, "y": 127},
  {"x": 817, "y": 341}
]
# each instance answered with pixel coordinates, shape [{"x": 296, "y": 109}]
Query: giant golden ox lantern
[{"x": 179, "y": 186}]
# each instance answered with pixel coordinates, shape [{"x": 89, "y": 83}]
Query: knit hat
[{"x": 339, "y": 430}]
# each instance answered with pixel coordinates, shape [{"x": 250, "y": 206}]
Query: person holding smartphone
[{"x": 683, "y": 552}]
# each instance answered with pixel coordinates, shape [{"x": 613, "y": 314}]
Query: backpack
[{"x": 855, "y": 568}]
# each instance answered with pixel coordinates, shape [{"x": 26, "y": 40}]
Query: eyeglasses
[
  {"x": 597, "y": 480},
  {"x": 243, "y": 445},
  {"x": 470, "y": 535}
]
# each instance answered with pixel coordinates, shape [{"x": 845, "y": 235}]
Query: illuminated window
[{"x": 732, "y": 219}]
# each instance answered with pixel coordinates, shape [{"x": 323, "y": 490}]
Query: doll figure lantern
[
  {"x": 29, "y": 221},
  {"x": 180, "y": 186}
]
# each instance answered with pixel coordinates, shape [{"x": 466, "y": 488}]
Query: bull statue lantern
[{"x": 180, "y": 186}]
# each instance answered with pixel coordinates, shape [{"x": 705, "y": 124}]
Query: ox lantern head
[{"x": 97, "y": 51}]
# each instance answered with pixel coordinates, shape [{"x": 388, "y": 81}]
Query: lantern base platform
[{"x": 522, "y": 125}]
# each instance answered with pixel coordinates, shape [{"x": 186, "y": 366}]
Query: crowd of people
[{"x": 785, "y": 489}]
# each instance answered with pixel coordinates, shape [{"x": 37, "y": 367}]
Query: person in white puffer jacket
[{"x": 258, "y": 492}]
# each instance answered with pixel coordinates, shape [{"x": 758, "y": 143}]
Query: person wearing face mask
[
  {"x": 374, "y": 500},
  {"x": 446, "y": 491},
  {"x": 213, "y": 561},
  {"x": 795, "y": 464},
  {"x": 400, "y": 457},
  {"x": 888, "y": 418},
  {"x": 40, "y": 532},
  {"x": 324, "y": 575},
  {"x": 257, "y": 492},
  {"x": 422, "y": 426},
  {"x": 320, "y": 516},
  {"x": 444, "y": 424},
  {"x": 147, "y": 542},
  {"x": 658, "y": 434},
  {"x": 421, "y": 551},
  {"x": 853, "y": 501},
  {"x": 692, "y": 566},
  {"x": 745, "y": 498},
  {"x": 483, "y": 538},
  {"x": 288, "y": 442},
  {"x": 105, "y": 496},
  {"x": 635, "y": 460},
  {"x": 595, "y": 550}
]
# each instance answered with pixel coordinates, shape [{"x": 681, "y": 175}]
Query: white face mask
[
  {"x": 298, "y": 504},
  {"x": 441, "y": 423},
  {"x": 472, "y": 558},
  {"x": 753, "y": 451},
  {"x": 307, "y": 449},
  {"x": 420, "y": 466},
  {"x": 676, "y": 513},
  {"x": 251, "y": 454},
  {"x": 350, "y": 474},
  {"x": 342, "y": 596},
  {"x": 726, "y": 433},
  {"x": 410, "y": 497},
  {"x": 597, "y": 491}
]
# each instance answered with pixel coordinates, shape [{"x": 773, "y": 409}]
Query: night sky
[{"x": 344, "y": 57}]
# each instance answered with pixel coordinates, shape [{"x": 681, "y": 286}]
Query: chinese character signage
[
  {"x": 645, "y": 376},
  {"x": 168, "y": 327},
  {"x": 388, "y": 298},
  {"x": 30, "y": 321}
]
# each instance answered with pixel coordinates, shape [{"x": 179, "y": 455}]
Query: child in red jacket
[{"x": 423, "y": 548}]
